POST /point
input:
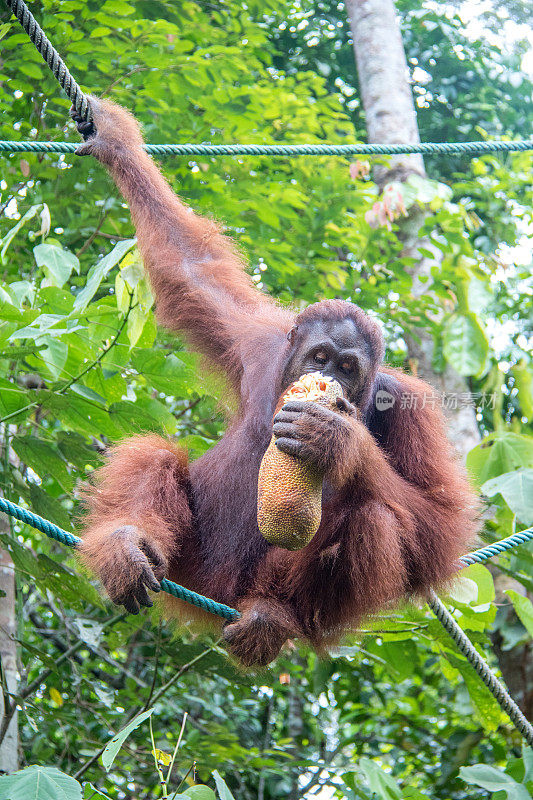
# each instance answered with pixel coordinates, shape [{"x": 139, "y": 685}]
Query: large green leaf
[
  {"x": 494, "y": 780},
  {"x": 222, "y": 788},
  {"x": 465, "y": 344},
  {"x": 199, "y": 793},
  {"x": 112, "y": 747},
  {"x": 8, "y": 238},
  {"x": 56, "y": 262},
  {"x": 43, "y": 459},
  {"x": 516, "y": 488},
  {"x": 12, "y": 397},
  {"x": 380, "y": 782},
  {"x": 98, "y": 272},
  {"x": 166, "y": 373},
  {"x": 488, "y": 712},
  {"x": 524, "y": 609},
  {"x": 499, "y": 453},
  {"x": 39, "y": 783},
  {"x": 523, "y": 376}
]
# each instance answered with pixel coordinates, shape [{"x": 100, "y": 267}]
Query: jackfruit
[{"x": 289, "y": 498}]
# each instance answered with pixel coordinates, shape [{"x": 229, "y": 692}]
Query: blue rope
[
  {"x": 497, "y": 547},
  {"x": 60, "y": 535},
  {"x": 55, "y": 532}
]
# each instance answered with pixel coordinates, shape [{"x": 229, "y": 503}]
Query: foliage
[{"x": 398, "y": 712}]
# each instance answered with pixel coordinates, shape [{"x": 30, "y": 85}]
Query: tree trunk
[
  {"x": 391, "y": 119},
  {"x": 8, "y": 656}
]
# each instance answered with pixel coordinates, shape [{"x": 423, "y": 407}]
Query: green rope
[
  {"x": 481, "y": 667},
  {"x": 56, "y": 64},
  {"x": 60, "y": 535},
  {"x": 427, "y": 148},
  {"x": 81, "y": 103},
  {"x": 498, "y": 547},
  {"x": 55, "y": 532}
]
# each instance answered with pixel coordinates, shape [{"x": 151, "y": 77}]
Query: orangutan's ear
[{"x": 292, "y": 334}]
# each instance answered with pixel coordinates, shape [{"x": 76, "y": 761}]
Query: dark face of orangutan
[{"x": 336, "y": 349}]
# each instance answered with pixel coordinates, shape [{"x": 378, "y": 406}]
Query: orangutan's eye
[
  {"x": 321, "y": 357},
  {"x": 347, "y": 367}
]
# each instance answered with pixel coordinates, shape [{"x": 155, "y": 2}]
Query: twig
[
  {"x": 156, "y": 665},
  {"x": 174, "y": 754},
  {"x": 93, "y": 235},
  {"x": 162, "y": 781}
]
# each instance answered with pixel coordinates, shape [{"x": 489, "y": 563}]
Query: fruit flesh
[{"x": 289, "y": 507}]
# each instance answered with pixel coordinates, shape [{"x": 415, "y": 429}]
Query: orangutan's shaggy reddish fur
[{"x": 397, "y": 509}]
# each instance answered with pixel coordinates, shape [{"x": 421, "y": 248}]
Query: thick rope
[
  {"x": 477, "y": 556},
  {"x": 481, "y": 667},
  {"x": 55, "y": 532},
  {"x": 60, "y": 535},
  {"x": 426, "y": 148},
  {"x": 51, "y": 56}
]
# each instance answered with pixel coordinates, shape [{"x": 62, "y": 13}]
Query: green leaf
[
  {"x": 47, "y": 660},
  {"x": 56, "y": 262},
  {"x": 463, "y": 590},
  {"x": 4, "y": 29},
  {"x": 464, "y": 344},
  {"x": 48, "y": 507},
  {"x": 479, "y": 295},
  {"x": 112, "y": 747},
  {"x": 523, "y": 376},
  {"x": 527, "y": 755},
  {"x": 39, "y": 783},
  {"x": 8, "y": 238},
  {"x": 99, "y": 271},
  {"x": 222, "y": 789},
  {"x": 516, "y": 488},
  {"x": 484, "y": 581},
  {"x": 90, "y": 792},
  {"x": 494, "y": 780},
  {"x": 75, "y": 450},
  {"x": 12, "y": 397},
  {"x": 55, "y": 356},
  {"x": 43, "y": 459},
  {"x": 499, "y": 453},
  {"x": 524, "y": 609},
  {"x": 201, "y": 793},
  {"x": 80, "y": 415},
  {"x": 484, "y": 703},
  {"x": 136, "y": 321},
  {"x": 380, "y": 782},
  {"x": 130, "y": 418},
  {"x": 166, "y": 373}
]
